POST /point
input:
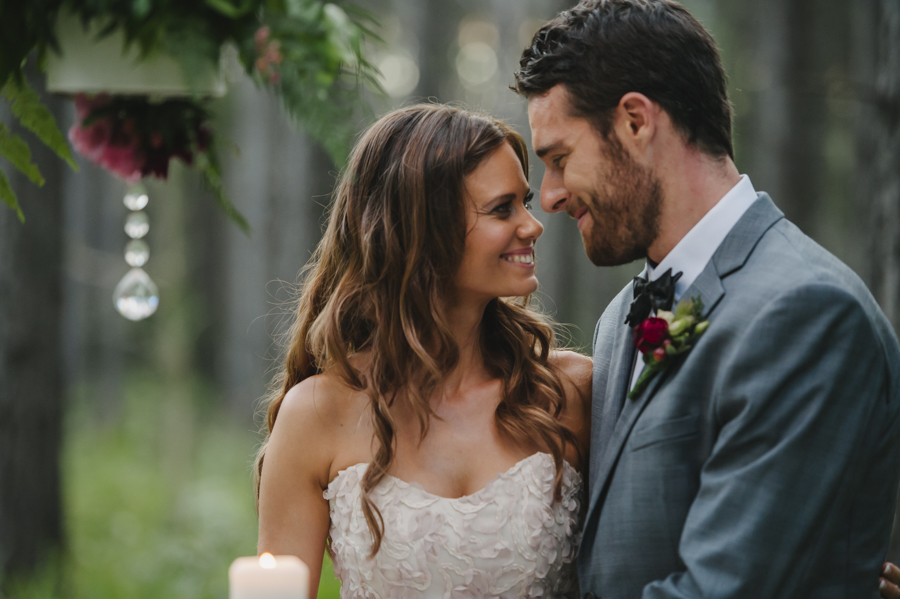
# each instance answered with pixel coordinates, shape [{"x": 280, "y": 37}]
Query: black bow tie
[{"x": 651, "y": 296}]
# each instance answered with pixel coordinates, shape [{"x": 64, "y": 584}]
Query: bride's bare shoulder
[
  {"x": 321, "y": 422},
  {"x": 577, "y": 371},
  {"x": 321, "y": 403}
]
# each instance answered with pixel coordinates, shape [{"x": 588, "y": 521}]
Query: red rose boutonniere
[{"x": 663, "y": 337}]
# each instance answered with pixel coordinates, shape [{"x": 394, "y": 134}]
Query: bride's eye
[
  {"x": 527, "y": 201},
  {"x": 503, "y": 209}
]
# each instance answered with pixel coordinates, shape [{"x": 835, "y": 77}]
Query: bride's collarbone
[
  {"x": 442, "y": 464},
  {"x": 461, "y": 452}
]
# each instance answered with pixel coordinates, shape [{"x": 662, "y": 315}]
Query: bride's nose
[{"x": 530, "y": 228}]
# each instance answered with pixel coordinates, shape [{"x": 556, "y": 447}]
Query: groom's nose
[{"x": 553, "y": 191}]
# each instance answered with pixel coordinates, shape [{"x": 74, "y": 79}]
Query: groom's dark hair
[{"x": 602, "y": 49}]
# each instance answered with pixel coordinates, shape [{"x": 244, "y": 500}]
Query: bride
[
  {"x": 423, "y": 424},
  {"x": 423, "y": 427}
]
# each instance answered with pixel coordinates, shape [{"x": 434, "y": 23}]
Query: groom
[{"x": 763, "y": 462}]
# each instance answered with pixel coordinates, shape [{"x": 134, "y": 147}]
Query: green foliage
[
  {"x": 322, "y": 66},
  {"x": 149, "y": 23},
  {"x": 27, "y": 108},
  {"x": 34, "y": 116},
  {"x": 208, "y": 165},
  {"x": 14, "y": 149},
  {"x": 159, "y": 500},
  {"x": 9, "y": 197},
  {"x": 24, "y": 26}
]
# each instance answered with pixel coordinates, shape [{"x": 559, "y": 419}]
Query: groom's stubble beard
[{"x": 625, "y": 210}]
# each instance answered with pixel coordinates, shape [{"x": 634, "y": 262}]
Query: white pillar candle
[{"x": 268, "y": 577}]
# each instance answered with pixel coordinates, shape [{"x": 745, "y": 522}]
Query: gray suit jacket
[{"x": 765, "y": 463}]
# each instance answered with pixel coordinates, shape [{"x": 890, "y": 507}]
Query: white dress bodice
[{"x": 507, "y": 540}]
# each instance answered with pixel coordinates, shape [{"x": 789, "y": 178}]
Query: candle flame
[{"x": 267, "y": 560}]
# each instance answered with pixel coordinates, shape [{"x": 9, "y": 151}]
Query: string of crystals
[{"x": 136, "y": 296}]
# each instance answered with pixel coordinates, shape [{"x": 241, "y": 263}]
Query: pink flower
[
  {"x": 123, "y": 161},
  {"x": 90, "y": 141},
  {"x": 119, "y": 137},
  {"x": 262, "y": 36},
  {"x": 273, "y": 53}
]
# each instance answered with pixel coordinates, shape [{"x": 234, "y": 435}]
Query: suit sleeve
[{"x": 800, "y": 405}]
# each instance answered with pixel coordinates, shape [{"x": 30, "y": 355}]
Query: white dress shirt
[{"x": 691, "y": 255}]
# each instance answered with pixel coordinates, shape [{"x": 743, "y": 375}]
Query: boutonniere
[{"x": 663, "y": 337}]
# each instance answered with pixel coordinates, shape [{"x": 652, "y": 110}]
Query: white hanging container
[{"x": 93, "y": 64}]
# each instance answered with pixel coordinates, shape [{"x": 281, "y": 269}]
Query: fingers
[
  {"x": 891, "y": 573},
  {"x": 889, "y": 581}
]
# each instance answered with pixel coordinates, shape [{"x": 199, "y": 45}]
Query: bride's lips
[{"x": 523, "y": 257}]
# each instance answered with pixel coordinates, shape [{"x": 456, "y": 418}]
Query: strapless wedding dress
[{"x": 507, "y": 540}]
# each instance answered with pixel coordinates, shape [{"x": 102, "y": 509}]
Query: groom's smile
[
  {"x": 595, "y": 179},
  {"x": 581, "y": 215}
]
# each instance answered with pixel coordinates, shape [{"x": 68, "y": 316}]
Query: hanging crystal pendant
[
  {"x": 137, "y": 225},
  {"x": 137, "y": 252},
  {"x": 136, "y": 198},
  {"x": 136, "y": 296}
]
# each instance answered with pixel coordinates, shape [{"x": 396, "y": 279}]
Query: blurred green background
[{"x": 153, "y": 425}]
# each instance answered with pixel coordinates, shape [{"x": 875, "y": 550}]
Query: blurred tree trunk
[
  {"x": 438, "y": 22},
  {"x": 281, "y": 182},
  {"x": 30, "y": 367},
  {"x": 781, "y": 67},
  {"x": 878, "y": 157}
]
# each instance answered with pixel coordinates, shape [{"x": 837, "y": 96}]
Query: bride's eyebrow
[
  {"x": 494, "y": 202},
  {"x": 501, "y": 199}
]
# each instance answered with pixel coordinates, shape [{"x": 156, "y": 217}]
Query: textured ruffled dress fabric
[{"x": 507, "y": 540}]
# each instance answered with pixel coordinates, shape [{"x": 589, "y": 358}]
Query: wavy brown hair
[{"x": 395, "y": 238}]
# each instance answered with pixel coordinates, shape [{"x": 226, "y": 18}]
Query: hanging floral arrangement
[{"x": 307, "y": 51}]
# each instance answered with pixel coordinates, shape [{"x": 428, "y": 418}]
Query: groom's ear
[{"x": 637, "y": 120}]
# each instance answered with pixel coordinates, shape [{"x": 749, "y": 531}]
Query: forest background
[{"x": 138, "y": 480}]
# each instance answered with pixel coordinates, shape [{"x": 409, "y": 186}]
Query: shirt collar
[{"x": 696, "y": 249}]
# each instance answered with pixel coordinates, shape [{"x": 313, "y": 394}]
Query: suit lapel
[
  {"x": 729, "y": 257},
  {"x": 616, "y": 386},
  {"x": 709, "y": 288}
]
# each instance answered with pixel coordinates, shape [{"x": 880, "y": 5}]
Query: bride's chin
[{"x": 521, "y": 291}]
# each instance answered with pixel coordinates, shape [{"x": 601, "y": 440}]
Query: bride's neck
[{"x": 465, "y": 322}]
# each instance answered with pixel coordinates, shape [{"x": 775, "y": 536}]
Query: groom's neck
[{"x": 692, "y": 182}]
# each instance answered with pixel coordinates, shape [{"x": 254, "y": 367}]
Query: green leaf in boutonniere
[{"x": 664, "y": 337}]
